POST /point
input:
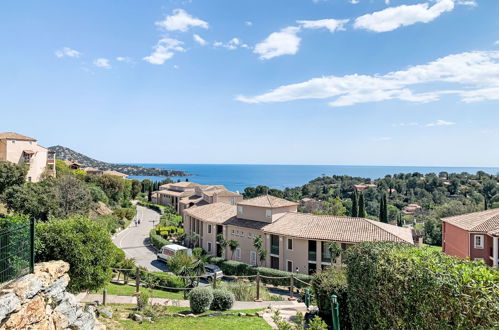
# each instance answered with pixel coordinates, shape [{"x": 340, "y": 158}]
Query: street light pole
[{"x": 336, "y": 312}]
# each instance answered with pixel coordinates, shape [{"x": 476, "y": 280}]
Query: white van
[{"x": 168, "y": 251}]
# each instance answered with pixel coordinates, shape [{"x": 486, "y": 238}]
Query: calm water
[{"x": 238, "y": 177}]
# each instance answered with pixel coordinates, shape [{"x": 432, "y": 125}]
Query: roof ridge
[{"x": 378, "y": 224}]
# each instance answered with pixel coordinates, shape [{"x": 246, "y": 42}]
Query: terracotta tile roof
[
  {"x": 190, "y": 199},
  {"x": 339, "y": 229},
  {"x": 116, "y": 173},
  {"x": 184, "y": 184},
  {"x": 483, "y": 221},
  {"x": 251, "y": 224},
  {"x": 175, "y": 193},
  {"x": 213, "y": 192},
  {"x": 267, "y": 201},
  {"x": 214, "y": 213},
  {"x": 228, "y": 193},
  {"x": 15, "y": 136}
]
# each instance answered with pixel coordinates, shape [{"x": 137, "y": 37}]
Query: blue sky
[{"x": 366, "y": 82}]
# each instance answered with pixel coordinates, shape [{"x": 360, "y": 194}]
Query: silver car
[{"x": 213, "y": 270}]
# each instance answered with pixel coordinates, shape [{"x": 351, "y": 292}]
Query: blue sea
[{"x": 237, "y": 177}]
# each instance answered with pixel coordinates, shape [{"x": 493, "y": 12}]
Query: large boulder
[
  {"x": 48, "y": 272},
  {"x": 26, "y": 287},
  {"x": 30, "y": 313},
  {"x": 8, "y": 303}
]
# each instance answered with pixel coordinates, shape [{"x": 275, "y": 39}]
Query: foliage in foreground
[
  {"x": 200, "y": 299},
  {"x": 81, "y": 242},
  {"x": 223, "y": 300},
  {"x": 399, "y": 286}
]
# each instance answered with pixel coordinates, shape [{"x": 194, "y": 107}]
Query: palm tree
[
  {"x": 222, "y": 242},
  {"x": 233, "y": 245},
  {"x": 263, "y": 256}
]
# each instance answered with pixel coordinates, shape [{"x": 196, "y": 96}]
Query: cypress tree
[
  {"x": 362, "y": 210},
  {"x": 149, "y": 195},
  {"x": 381, "y": 209},
  {"x": 355, "y": 205},
  {"x": 399, "y": 220},
  {"x": 385, "y": 206}
]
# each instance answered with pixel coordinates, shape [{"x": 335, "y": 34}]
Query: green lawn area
[
  {"x": 128, "y": 290},
  {"x": 436, "y": 248}
]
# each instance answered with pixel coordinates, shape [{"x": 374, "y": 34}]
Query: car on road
[
  {"x": 212, "y": 270},
  {"x": 168, "y": 251}
]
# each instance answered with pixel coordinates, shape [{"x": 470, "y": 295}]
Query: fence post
[
  {"x": 258, "y": 286},
  {"x": 137, "y": 281},
  {"x": 292, "y": 288},
  {"x": 214, "y": 281},
  {"x": 32, "y": 245},
  {"x": 104, "y": 295}
]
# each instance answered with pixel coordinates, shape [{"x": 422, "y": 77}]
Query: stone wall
[{"x": 40, "y": 301}]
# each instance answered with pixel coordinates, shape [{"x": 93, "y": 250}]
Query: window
[
  {"x": 268, "y": 213},
  {"x": 209, "y": 246},
  {"x": 239, "y": 209},
  {"x": 209, "y": 229},
  {"x": 13, "y": 141},
  {"x": 289, "y": 266},
  {"x": 290, "y": 244},
  {"x": 238, "y": 253},
  {"x": 478, "y": 241},
  {"x": 253, "y": 258},
  {"x": 233, "y": 231}
]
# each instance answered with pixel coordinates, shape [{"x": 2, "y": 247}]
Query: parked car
[
  {"x": 213, "y": 270},
  {"x": 168, "y": 251}
]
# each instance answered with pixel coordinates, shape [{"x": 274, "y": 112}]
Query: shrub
[
  {"x": 394, "y": 285},
  {"x": 156, "y": 240},
  {"x": 324, "y": 284},
  {"x": 128, "y": 213},
  {"x": 246, "y": 291},
  {"x": 222, "y": 300},
  {"x": 142, "y": 300},
  {"x": 81, "y": 242},
  {"x": 317, "y": 324},
  {"x": 164, "y": 280},
  {"x": 200, "y": 299}
]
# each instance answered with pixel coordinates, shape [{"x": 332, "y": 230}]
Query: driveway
[{"x": 135, "y": 240}]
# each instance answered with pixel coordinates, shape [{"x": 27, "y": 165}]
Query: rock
[
  {"x": 85, "y": 321},
  {"x": 259, "y": 314},
  {"x": 42, "y": 325},
  {"x": 191, "y": 315},
  {"x": 137, "y": 318},
  {"x": 99, "y": 326},
  {"x": 56, "y": 289},
  {"x": 31, "y": 312},
  {"x": 180, "y": 314},
  {"x": 69, "y": 307},
  {"x": 90, "y": 309},
  {"x": 26, "y": 287},
  {"x": 48, "y": 272},
  {"x": 8, "y": 303},
  {"x": 59, "y": 320},
  {"x": 241, "y": 314},
  {"x": 104, "y": 312},
  {"x": 148, "y": 319}
]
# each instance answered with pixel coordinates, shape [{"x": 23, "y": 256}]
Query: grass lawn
[
  {"x": 128, "y": 290},
  {"x": 120, "y": 320},
  {"x": 436, "y": 248}
]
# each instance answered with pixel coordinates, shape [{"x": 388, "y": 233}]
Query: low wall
[{"x": 40, "y": 301}]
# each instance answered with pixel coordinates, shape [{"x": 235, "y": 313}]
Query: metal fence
[{"x": 17, "y": 250}]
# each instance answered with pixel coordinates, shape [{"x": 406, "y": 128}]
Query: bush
[
  {"x": 328, "y": 282},
  {"x": 246, "y": 291},
  {"x": 222, "y": 300},
  {"x": 200, "y": 299},
  {"x": 400, "y": 286},
  {"x": 156, "y": 240},
  {"x": 155, "y": 207},
  {"x": 165, "y": 280},
  {"x": 142, "y": 300},
  {"x": 81, "y": 242},
  {"x": 128, "y": 213}
]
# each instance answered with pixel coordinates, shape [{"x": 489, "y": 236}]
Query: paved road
[{"x": 135, "y": 240}]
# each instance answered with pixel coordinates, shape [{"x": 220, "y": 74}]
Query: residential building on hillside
[
  {"x": 473, "y": 235},
  {"x": 17, "y": 148},
  {"x": 183, "y": 195},
  {"x": 74, "y": 165},
  {"x": 116, "y": 173},
  {"x": 296, "y": 242}
]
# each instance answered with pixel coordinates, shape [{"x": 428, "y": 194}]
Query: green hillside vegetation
[{"x": 439, "y": 195}]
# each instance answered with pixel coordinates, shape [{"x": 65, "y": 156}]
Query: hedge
[
  {"x": 152, "y": 206},
  {"x": 326, "y": 283},
  {"x": 236, "y": 268},
  {"x": 156, "y": 240},
  {"x": 400, "y": 286}
]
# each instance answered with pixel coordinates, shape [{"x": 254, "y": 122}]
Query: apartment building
[
  {"x": 17, "y": 148},
  {"x": 295, "y": 242},
  {"x": 473, "y": 235}
]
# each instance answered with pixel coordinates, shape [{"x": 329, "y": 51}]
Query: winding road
[{"x": 135, "y": 240}]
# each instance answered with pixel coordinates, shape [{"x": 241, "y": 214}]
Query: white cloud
[
  {"x": 284, "y": 42},
  {"x": 394, "y": 17},
  {"x": 181, "y": 21},
  {"x": 354, "y": 2},
  {"x": 330, "y": 24},
  {"x": 102, "y": 63},
  {"x": 248, "y": 23},
  {"x": 199, "y": 40},
  {"x": 440, "y": 122},
  {"x": 471, "y": 3},
  {"x": 164, "y": 50},
  {"x": 496, "y": 43},
  {"x": 232, "y": 44},
  {"x": 123, "y": 59},
  {"x": 67, "y": 52},
  {"x": 474, "y": 76},
  {"x": 176, "y": 66}
]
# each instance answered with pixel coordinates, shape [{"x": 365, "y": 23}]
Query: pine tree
[
  {"x": 362, "y": 209},
  {"x": 355, "y": 205}
]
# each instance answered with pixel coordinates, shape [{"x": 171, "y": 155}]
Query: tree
[
  {"x": 136, "y": 188},
  {"x": 334, "y": 251},
  {"x": 12, "y": 175},
  {"x": 149, "y": 195},
  {"x": 489, "y": 189},
  {"x": 400, "y": 221},
  {"x": 34, "y": 199},
  {"x": 333, "y": 206},
  {"x": 383, "y": 209},
  {"x": 233, "y": 245},
  {"x": 433, "y": 231},
  {"x": 72, "y": 196},
  {"x": 81, "y": 242},
  {"x": 223, "y": 243},
  {"x": 260, "y": 250},
  {"x": 355, "y": 205},
  {"x": 362, "y": 210}
]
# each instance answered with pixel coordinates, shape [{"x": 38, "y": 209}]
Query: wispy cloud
[
  {"x": 248, "y": 23},
  {"x": 284, "y": 42},
  {"x": 67, "y": 52},
  {"x": 232, "y": 44},
  {"x": 182, "y": 21},
  {"x": 330, "y": 24},
  {"x": 164, "y": 50},
  {"x": 199, "y": 40},
  {"x": 471, "y": 3},
  {"x": 123, "y": 59},
  {"x": 394, "y": 17},
  {"x": 496, "y": 43},
  {"x": 477, "y": 73},
  {"x": 102, "y": 63},
  {"x": 440, "y": 122}
]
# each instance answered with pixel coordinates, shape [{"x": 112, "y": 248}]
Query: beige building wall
[
  {"x": 261, "y": 213},
  {"x": 228, "y": 200},
  {"x": 12, "y": 151},
  {"x": 245, "y": 237}
]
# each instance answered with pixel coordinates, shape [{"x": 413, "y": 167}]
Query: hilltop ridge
[{"x": 65, "y": 153}]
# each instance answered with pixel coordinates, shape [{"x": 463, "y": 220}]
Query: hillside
[{"x": 64, "y": 153}]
